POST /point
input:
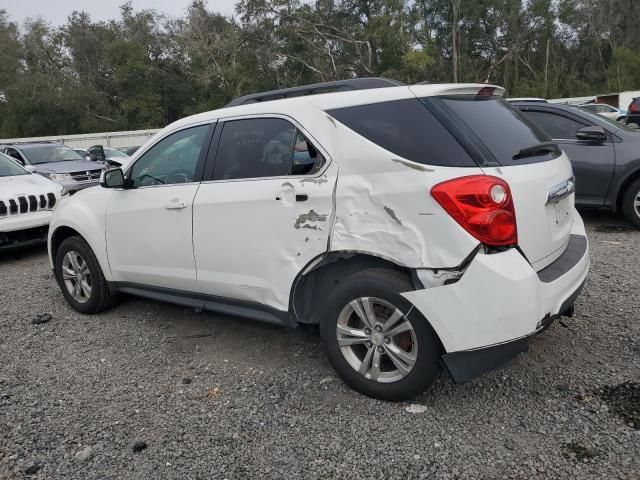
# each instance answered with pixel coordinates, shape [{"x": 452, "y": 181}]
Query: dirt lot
[{"x": 150, "y": 390}]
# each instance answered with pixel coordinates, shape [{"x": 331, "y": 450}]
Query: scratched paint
[
  {"x": 392, "y": 214},
  {"x": 310, "y": 217}
]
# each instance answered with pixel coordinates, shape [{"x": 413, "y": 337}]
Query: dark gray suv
[
  {"x": 56, "y": 162},
  {"x": 605, "y": 155}
]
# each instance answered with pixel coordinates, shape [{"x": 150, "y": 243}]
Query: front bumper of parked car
[{"x": 489, "y": 315}]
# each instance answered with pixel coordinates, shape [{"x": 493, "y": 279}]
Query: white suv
[
  {"x": 418, "y": 225},
  {"x": 26, "y": 203}
]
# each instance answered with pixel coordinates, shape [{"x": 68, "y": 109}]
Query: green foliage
[{"x": 145, "y": 70}]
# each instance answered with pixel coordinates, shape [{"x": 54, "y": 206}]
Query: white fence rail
[{"x": 131, "y": 138}]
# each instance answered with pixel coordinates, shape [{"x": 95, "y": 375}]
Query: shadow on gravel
[
  {"x": 624, "y": 400},
  {"x": 21, "y": 253},
  {"x": 606, "y": 222},
  {"x": 579, "y": 452},
  {"x": 615, "y": 228}
]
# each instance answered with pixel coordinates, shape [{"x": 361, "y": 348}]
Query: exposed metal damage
[
  {"x": 305, "y": 219},
  {"x": 392, "y": 214}
]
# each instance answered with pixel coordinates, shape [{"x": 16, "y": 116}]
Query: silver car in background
[{"x": 57, "y": 162}]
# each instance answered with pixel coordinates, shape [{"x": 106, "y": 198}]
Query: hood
[
  {"x": 31, "y": 184},
  {"x": 69, "y": 166}
]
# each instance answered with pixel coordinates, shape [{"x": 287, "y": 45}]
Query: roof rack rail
[
  {"x": 23, "y": 142},
  {"x": 325, "y": 87}
]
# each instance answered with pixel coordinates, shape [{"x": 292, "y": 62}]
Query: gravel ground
[{"x": 150, "y": 390}]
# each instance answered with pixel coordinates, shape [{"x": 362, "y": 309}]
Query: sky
[{"x": 57, "y": 11}]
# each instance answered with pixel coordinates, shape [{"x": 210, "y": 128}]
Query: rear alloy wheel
[
  {"x": 631, "y": 203},
  {"x": 375, "y": 340}
]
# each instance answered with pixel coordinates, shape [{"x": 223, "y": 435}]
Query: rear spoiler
[{"x": 456, "y": 89}]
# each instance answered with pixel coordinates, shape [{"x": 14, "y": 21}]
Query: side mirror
[
  {"x": 592, "y": 134},
  {"x": 113, "y": 178},
  {"x": 30, "y": 168},
  {"x": 98, "y": 154}
]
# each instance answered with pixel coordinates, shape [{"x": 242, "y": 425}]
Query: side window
[
  {"x": 172, "y": 160},
  {"x": 306, "y": 159},
  {"x": 406, "y": 128},
  {"x": 14, "y": 154},
  {"x": 556, "y": 126},
  {"x": 264, "y": 147}
]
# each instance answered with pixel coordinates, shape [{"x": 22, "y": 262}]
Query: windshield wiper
[{"x": 544, "y": 147}]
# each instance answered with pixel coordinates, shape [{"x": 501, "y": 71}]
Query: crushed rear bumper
[
  {"x": 465, "y": 365},
  {"x": 489, "y": 315}
]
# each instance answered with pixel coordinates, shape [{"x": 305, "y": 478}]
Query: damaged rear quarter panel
[{"x": 384, "y": 207}]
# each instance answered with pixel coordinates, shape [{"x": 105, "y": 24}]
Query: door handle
[
  {"x": 302, "y": 197},
  {"x": 175, "y": 205}
]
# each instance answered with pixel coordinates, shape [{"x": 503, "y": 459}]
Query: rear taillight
[
  {"x": 482, "y": 205},
  {"x": 633, "y": 108}
]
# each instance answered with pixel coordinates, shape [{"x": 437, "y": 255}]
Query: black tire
[
  {"x": 385, "y": 285},
  {"x": 100, "y": 297},
  {"x": 631, "y": 194}
]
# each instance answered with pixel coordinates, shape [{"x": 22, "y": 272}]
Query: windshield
[
  {"x": 112, "y": 152},
  {"x": 49, "y": 154},
  {"x": 9, "y": 168}
]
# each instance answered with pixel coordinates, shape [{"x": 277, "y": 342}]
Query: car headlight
[
  {"x": 64, "y": 192},
  {"x": 60, "y": 177}
]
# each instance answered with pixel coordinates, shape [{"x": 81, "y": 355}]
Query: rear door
[
  {"x": 496, "y": 133},
  {"x": 264, "y": 210},
  {"x": 593, "y": 163}
]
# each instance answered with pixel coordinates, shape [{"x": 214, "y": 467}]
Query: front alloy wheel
[
  {"x": 376, "y": 339},
  {"x": 80, "y": 277},
  {"x": 76, "y": 276}
]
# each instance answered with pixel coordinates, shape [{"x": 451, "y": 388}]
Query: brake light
[
  {"x": 482, "y": 205},
  {"x": 633, "y": 108},
  {"x": 486, "y": 91}
]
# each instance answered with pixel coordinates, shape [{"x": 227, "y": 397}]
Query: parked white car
[
  {"x": 418, "y": 225},
  {"x": 26, "y": 203},
  {"x": 605, "y": 110}
]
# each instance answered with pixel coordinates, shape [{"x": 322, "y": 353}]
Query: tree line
[{"x": 145, "y": 70}]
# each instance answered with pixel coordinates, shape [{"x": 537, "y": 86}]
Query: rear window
[
  {"x": 495, "y": 124},
  {"x": 408, "y": 129}
]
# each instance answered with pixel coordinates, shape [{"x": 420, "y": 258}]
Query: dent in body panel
[
  {"x": 371, "y": 178},
  {"x": 391, "y": 215}
]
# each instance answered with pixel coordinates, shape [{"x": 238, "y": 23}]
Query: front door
[
  {"x": 149, "y": 226},
  {"x": 593, "y": 163},
  {"x": 265, "y": 212}
]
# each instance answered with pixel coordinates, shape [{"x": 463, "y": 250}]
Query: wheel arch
[
  {"x": 59, "y": 235},
  {"x": 322, "y": 273},
  {"x": 628, "y": 180}
]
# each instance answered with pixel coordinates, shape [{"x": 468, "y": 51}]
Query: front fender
[{"x": 85, "y": 213}]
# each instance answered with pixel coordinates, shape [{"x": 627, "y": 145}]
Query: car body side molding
[{"x": 238, "y": 308}]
